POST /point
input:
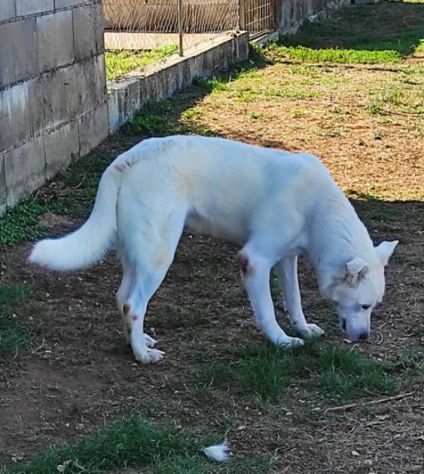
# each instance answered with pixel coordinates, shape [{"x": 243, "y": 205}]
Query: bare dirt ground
[{"x": 78, "y": 373}]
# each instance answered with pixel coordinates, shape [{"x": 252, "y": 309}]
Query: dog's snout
[{"x": 363, "y": 336}]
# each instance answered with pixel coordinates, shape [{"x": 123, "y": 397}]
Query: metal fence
[
  {"x": 176, "y": 18},
  {"x": 257, "y": 15},
  {"x": 161, "y": 16},
  {"x": 197, "y": 16}
]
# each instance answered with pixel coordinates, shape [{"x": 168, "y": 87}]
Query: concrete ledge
[{"x": 129, "y": 95}]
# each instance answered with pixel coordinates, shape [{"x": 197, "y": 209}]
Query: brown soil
[{"x": 80, "y": 374}]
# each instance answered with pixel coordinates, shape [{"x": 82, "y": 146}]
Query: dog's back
[{"x": 223, "y": 184}]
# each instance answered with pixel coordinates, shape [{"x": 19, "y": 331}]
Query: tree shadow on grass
[{"x": 386, "y": 26}]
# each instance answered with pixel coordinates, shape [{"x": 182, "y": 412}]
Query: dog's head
[{"x": 357, "y": 289}]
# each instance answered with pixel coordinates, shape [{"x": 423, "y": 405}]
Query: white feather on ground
[{"x": 218, "y": 452}]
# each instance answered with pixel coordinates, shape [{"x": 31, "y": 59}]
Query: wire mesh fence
[
  {"x": 182, "y": 22},
  {"x": 257, "y": 15},
  {"x": 161, "y": 16}
]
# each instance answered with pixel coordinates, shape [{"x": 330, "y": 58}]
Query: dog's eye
[{"x": 365, "y": 306}]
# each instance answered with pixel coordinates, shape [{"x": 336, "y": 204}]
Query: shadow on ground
[{"x": 362, "y": 28}]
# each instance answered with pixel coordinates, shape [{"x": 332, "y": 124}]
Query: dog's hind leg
[
  {"x": 148, "y": 245},
  {"x": 122, "y": 296},
  {"x": 255, "y": 272},
  {"x": 287, "y": 272},
  {"x": 146, "y": 283}
]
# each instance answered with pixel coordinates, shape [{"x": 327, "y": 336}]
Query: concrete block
[
  {"x": 21, "y": 113},
  {"x": 25, "y": 170},
  {"x": 100, "y": 78},
  {"x": 7, "y": 9},
  {"x": 55, "y": 40},
  {"x": 93, "y": 128},
  {"x": 124, "y": 102},
  {"x": 28, "y": 7},
  {"x": 62, "y": 95},
  {"x": 61, "y": 147},
  {"x": 91, "y": 80},
  {"x": 18, "y": 51},
  {"x": 100, "y": 29},
  {"x": 85, "y": 34},
  {"x": 14, "y": 119}
]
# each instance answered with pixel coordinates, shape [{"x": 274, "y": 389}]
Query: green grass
[
  {"x": 347, "y": 375},
  {"x": 158, "y": 119},
  {"x": 357, "y": 35},
  {"x": 265, "y": 373},
  {"x": 133, "y": 442},
  {"x": 332, "y": 55},
  {"x": 119, "y": 63},
  {"x": 80, "y": 182},
  {"x": 126, "y": 443},
  {"x": 20, "y": 222},
  {"x": 13, "y": 336},
  {"x": 397, "y": 96}
]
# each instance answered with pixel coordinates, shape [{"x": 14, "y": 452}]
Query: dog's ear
[
  {"x": 356, "y": 269},
  {"x": 385, "y": 250}
]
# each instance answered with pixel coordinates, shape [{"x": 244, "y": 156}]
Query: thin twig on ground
[{"x": 372, "y": 402}]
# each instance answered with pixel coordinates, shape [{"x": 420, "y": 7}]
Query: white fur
[{"x": 276, "y": 205}]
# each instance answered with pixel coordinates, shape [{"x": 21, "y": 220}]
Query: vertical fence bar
[
  {"x": 242, "y": 14},
  {"x": 180, "y": 27}
]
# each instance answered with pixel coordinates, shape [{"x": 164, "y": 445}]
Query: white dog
[{"x": 275, "y": 204}]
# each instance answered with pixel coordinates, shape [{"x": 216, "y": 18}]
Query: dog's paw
[
  {"x": 311, "y": 331},
  {"x": 150, "y": 342},
  {"x": 290, "y": 342},
  {"x": 151, "y": 356}
]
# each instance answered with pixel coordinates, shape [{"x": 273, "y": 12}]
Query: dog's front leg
[
  {"x": 255, "y": 272},
  {"x": 287, "y": 271}
]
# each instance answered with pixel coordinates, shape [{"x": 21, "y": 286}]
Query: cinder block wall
[
  {"x": 53, "y": 104},
  {"x": 292, "y": 13}
]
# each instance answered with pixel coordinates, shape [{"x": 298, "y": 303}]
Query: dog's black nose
[{"x": 363, "y": 336}]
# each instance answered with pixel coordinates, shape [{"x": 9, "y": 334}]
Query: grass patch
[
  {"x": 133, "y": 442},
  {"x": 21, "y": 222},
  {"x": 154, "y": 120},
  {"x": 160, "y": 119},
  {"x": 347, "y": 375},
  {"x": 126, "y": 443},
  {"x": 13, "y": 336},
  {"x": 357, "y": 35},
  {"x": 78, "y": 188},
  {"x": 211, "y": 85},
  {"x": 361, "y": 28},
  {"x": 331, "y": 55},
  {"x": 396, "y": 97},
  {"x": 119, "y": 63},
  {"x": 266, "y": 372}
]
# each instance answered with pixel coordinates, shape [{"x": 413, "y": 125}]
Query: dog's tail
[{"x": 89, "y": 243}]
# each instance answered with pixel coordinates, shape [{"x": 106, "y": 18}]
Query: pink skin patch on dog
[{"x": 245, "y": 266}]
